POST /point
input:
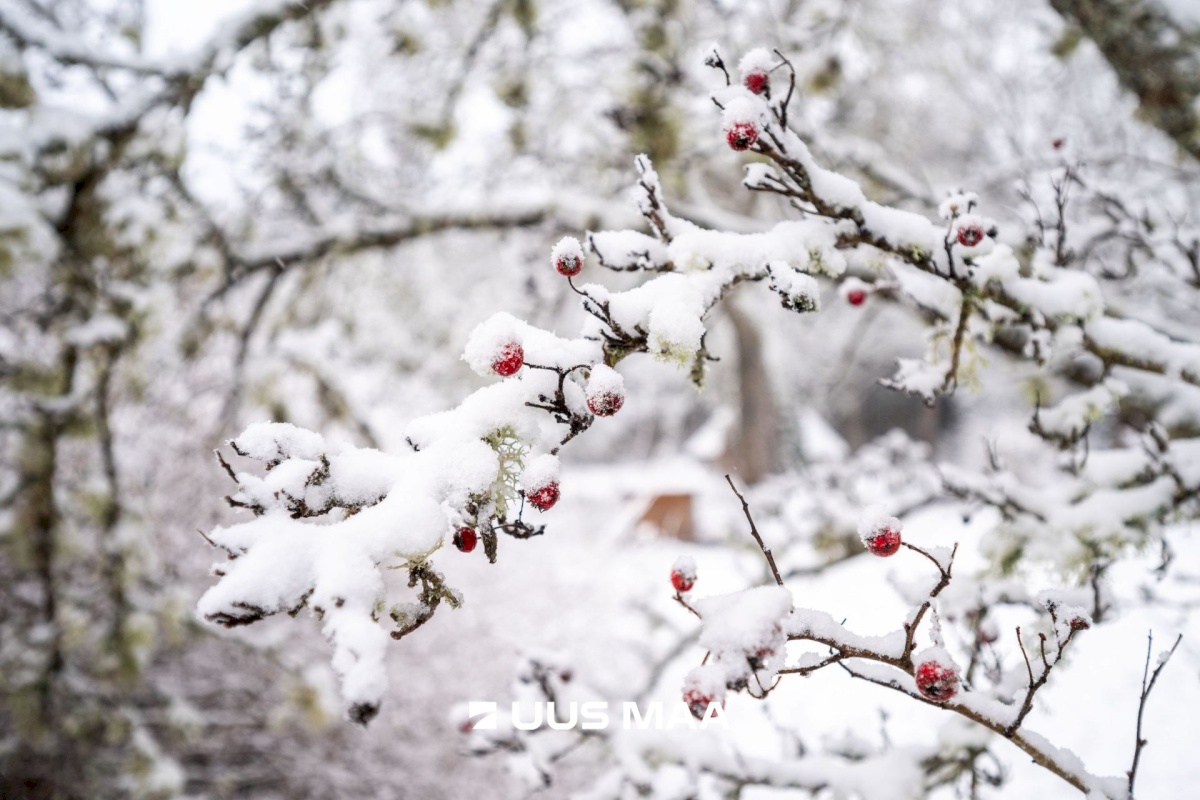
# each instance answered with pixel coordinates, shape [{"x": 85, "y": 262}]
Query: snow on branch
[
  {"x": 745, "y": 634},
  {"x": 331, "y": 524}
]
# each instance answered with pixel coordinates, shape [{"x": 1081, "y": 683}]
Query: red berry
[
  {"x": 970, "y": 235},
  {"x": 465, "y": 539},
  {"x": 856, "y": 297},
  {"x": 741, "y": 135},
  {"x": 1079, "y": 624},
  {"x": 756, "y": 82},
  {"x": 568, "y": 266},
  {"x": 697, "y": 702},
  {"x": 545, "y": 497},
  {"x": 605, "y": 404},
  {"x": 1058, "y": 143},
  {"x": 884, "y": 543},
  {"x": 509, "y": 359},
  {"x": 681, "y": 582},
  {"x": 936, "y": 681}
]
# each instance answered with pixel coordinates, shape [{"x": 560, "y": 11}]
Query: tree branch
[{"x": 1152, "y": 55}]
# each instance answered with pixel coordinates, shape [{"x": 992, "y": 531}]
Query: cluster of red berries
[
  {"x": 936, "y": 681},
  {"x": 508, "y": 359}
]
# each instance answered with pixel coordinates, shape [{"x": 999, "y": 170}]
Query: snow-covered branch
[
  {"x": 744, "y": 635},
  {"x": 474, "y": 469}
]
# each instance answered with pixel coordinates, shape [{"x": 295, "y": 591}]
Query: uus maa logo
[{"x": 591, "y": 716}]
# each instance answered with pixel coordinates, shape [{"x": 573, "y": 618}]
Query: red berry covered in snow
[
  {"x": 885, "y": 543},
  {"x": 465, "y": 539},
  {"x": 856, "y": 297},
  {"x": 605, "y": 404},
  {"x": 970, "y": 235},
  {"x": 757, "y": 81},
  {"x": 704, "y": 688},
  {"x": 936, "y": 680},
  {"x": 509, "y": 359},
  {"x": 756, "y": 67},
  {"x": 683, "y": 574},
  {"x": 544, "y": 497},
  {"x": 567, "y": 256},
  {"x": 540, "y": 481},
  {"x": 741, "y": 135},
  {"x": 605, "y": 391},
  {"x": 681, "y": 582},
  {"x": 879, "y": 531},
  {"x": 697, "y": 702}
]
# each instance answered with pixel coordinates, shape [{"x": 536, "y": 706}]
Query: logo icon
[{"x": 481, "y": 716}]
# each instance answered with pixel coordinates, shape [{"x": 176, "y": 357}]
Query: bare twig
[
  {"x": 754, "y": 532},
  {"x": 1147, "y": 687}
]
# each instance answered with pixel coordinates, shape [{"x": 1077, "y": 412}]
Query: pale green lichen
[{"x": 511, "y": 452}]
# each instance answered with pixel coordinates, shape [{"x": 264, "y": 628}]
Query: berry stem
[
  {"x": 782, "y": 115},
  {"x": 910, "y": 628},
  {"x": 679, "y": 599}
]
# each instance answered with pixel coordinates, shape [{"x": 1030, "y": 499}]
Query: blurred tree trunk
[
  {"x": 1153, "y": 55},
  {"x": 753, "y": 449}
]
